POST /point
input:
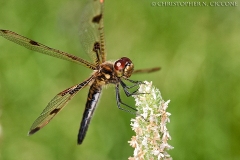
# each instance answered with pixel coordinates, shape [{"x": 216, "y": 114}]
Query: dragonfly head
[{"x": 123, "y": 67}]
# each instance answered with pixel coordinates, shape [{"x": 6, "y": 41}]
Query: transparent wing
[
  {"x": 146, "y": 70},
  {"x": 38, "y": 47},
  {"x": 91, "y": 31},
  {"x": 55, "y": 105}
]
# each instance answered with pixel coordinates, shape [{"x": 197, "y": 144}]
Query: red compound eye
[
  {"x": 123, "y": 67},
  {"x": 121, "y": 63}
]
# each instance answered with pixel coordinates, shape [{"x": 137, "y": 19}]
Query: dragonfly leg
[
  {"x": 119, "y": 102},
  {"x": 125, "y": 88},
  {"x": 135, "y": 83}
]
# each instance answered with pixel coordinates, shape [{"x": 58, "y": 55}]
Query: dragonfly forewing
[
  {"x": 91, "y": 31},
  {"x": 38, "y": 47}
]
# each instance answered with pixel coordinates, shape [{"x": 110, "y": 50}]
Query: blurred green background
[{"x": 197, "y": 48}]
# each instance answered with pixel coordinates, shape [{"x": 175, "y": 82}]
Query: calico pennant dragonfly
[{"x": 104, "y": 72}]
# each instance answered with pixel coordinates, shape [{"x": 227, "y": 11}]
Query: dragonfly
[{"x": 104, "y": 72}]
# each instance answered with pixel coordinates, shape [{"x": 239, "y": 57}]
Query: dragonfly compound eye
[{"x": 123, "y": 67}]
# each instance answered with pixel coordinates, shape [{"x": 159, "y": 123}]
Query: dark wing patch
[
  {"x": 97, "y": 18},
  {"x": 34, "y": 130},
  {"x": 34, "y": 43}
]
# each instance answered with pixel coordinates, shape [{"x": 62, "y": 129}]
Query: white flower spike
[{"x": 151, "y": 139}]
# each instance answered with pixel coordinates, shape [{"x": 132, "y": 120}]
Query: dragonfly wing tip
[{"x": 32, "y": 131}]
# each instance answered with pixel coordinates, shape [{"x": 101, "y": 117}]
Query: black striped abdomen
[{"x": 92, "y": 100}]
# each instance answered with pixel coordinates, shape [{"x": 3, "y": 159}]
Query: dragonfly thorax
[{"x": 123, "y": 67}]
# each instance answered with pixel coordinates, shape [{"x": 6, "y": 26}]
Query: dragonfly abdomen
[{"x": 92, "y": 100}]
